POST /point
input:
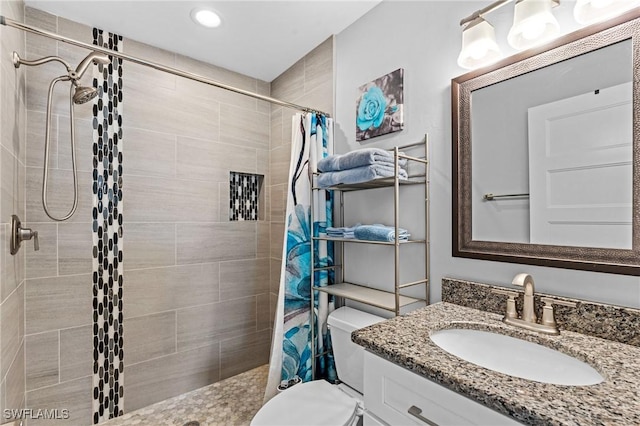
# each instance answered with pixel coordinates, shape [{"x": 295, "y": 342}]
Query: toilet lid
[{"x": 316, "y": 403}]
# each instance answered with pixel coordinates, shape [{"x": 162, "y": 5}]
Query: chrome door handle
[{"x": 417, "y": 412}]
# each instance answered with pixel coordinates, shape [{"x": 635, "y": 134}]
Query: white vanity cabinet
[{"x": 396, "y": 396}]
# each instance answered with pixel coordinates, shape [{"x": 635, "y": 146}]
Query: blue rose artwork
[{"x": 379, "y": 108}]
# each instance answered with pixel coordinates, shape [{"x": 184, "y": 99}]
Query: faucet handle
[
  {"x": 548, "y": 317},
  {"x": 36, "y": 241},
  {"x": 511, "y": 301}
]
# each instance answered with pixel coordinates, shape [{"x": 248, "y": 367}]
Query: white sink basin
[{"x": 516, "y": 357}]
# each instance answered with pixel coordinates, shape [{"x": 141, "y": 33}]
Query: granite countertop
[{"x": 405, "y": 341}]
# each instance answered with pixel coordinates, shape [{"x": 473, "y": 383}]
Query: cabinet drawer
[{"x": 400, "y": 397}]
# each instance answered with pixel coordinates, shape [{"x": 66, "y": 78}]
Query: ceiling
[{"x": 257, "y": 38}]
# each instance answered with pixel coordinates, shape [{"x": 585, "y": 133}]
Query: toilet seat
[{"x": 316, "y": 403}]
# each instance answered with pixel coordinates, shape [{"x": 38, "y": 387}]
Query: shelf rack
[{"x": 391, "y": 301}]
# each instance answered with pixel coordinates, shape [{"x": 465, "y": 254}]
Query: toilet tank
[{"x": 348, "y": 356}]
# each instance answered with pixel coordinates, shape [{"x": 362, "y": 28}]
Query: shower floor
[{"x": 233, "y": 401}]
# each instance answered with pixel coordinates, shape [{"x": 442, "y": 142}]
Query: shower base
[{"x": 233, "y": 401}]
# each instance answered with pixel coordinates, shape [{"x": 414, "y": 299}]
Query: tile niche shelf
[{"x": 390, "y": 300}]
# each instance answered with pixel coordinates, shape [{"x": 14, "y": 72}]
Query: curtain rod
[{"x": 191, "y": 76}]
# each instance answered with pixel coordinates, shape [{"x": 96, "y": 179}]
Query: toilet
[{"x": 319, "y": 403}]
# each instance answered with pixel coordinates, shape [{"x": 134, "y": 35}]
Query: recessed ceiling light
[{"x": 206, "y": 17}]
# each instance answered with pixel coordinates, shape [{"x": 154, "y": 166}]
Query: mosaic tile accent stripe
[
  {"x": 244, "y": 192},
  {"x": 108, "y": 353}
]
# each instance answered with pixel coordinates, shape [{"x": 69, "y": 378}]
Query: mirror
[{"x": 543, "y": 154}]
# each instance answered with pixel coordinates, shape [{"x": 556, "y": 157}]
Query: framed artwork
[{"x": 379, "y": 106}]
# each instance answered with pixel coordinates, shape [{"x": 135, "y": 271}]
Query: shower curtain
[{"x": 312, "y": 138}]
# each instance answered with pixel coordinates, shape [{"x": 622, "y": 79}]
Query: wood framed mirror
[{"x": 546, "y": 153}]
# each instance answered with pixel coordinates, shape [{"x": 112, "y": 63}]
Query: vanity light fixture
[
  {"x": 533, "y": 24},
  {"x": 206, "y": 17},
  {"x": 479, "y": 47},
  {"x": 590, "y": 11}
]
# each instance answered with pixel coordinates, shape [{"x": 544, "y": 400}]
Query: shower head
[
  {"x": 84, "y": 94},
  {"x": 93, "y": 57}
]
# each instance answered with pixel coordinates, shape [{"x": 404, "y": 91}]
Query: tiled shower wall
[
  {"x": 12, "y": 172},
  {"x": 196, "y": 285},
  {"x": 308, "y": 82}
]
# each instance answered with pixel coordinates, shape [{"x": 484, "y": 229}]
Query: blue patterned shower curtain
[{"x": 312, "y": 138}]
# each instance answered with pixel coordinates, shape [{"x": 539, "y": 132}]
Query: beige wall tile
[
  {"x": 243, "y": 127},
  {"x": 14, "y": 383},
  {"x": 277, "y": 137},
  {"x": 41, "y": 359},
  {"x": 148, "y": 153},
  {"x": 150, "y": 336},
  {"x": 318, "y": 66},
  {"x": 152, "y": 199},
  {"x": 39, "y": 46},
  {"x": 244, "y": 353},
  {"x": 36, "y": 123},
  {"x": 189, "y": 116},
  {"x": 75, "y": 243},
  {"x": 11, "y": 267},
  {"x": 161, "y": 378},
  {"x": 216, "y": 73},
  {"x": 11, "y": 328},
  {"x": 60, "y": 198},
  {"x": 279, "y": 164},
  {"x": 320, "y": 97},
  {"x": 55, "y": 303},
  {"x": 74, "y": 395},
  {"x": 264, "y": 88},
  {"x": 209, "y": 160},
  {"x": 289, "y": 85},
  {"x": 9, "y": 185},
  {"x": 202, "y": 325},
  {"x": 276, "y": 267},
  {"x": 76, "y": 353},
  {"x": 264, "y": 239},
  {"x": 241, "y": 278},
  {"x": 141, "y": 74},
  {"x": 277, "y": 239},
  {"x": 83, "y": 142},
  {"x": 44, "y": 262},
  {"x": 278, "y": 202},
  {"x": 206, "y": 242},
  {"x": 149, "y": 245},
  {"x": 162, "y": 289},
  {"x": 263, "y": 306}
]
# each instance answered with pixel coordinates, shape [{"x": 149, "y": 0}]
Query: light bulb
[
  {"x": 599, "y": 4},
  {"x": 532, "y": 29},
  {"x": 478, "y": 50}
]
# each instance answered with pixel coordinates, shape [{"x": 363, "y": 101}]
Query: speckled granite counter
[{"x": 405, "y": 341}]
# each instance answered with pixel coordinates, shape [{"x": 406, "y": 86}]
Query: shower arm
[{"x": 17, "y": 61}]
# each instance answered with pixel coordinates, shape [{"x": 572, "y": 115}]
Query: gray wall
[
  {"x": 12, "y": 172},
  {"x": 424, "y": 39}
]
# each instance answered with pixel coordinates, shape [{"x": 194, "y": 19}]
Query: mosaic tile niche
[
  {"x": 245, "y": 190},
  {"x": 108, "y": 365}
]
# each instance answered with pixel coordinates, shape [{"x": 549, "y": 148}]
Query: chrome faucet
[{"x": 528, "y": 320}]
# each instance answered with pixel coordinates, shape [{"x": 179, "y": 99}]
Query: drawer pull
[{"x": 417, "y": 412}]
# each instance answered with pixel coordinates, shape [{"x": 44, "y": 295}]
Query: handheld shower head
[
  {"x": 93, "y": 57},
  {"x": 84, "y": 94}
]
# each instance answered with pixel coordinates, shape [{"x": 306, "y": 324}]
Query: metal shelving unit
[{"x": 390, "y": 300}]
